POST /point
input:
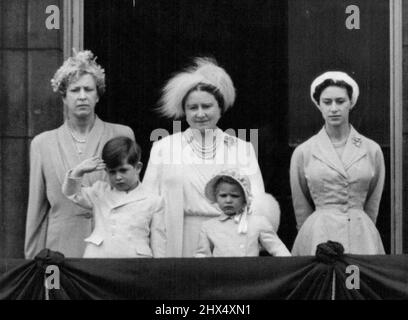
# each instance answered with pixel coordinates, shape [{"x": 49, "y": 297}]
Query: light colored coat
[
  {"x": 164, "y": 176},
  {"x": 127, "y": 224},
  {"x": 219, "y": 237},
  {"x": 53, "y": 221},
  {"x": 337, "y": 199}
]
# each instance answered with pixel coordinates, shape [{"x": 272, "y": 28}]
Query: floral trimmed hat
[{"x": 81, "y": 62}]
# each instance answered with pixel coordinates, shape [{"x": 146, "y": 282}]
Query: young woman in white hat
[{"x": 337, "y": 176}]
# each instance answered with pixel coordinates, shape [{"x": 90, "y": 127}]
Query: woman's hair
[
  {"x": 332, "y": 83},
  {"x": 207, "y": 88},
  {"x": 120, "y": 150},
  {"x": 74, "y": 67},
  {"x": 229, "y": 180}
]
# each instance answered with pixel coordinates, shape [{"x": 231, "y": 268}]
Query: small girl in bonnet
[{"x": 236, "y": 232}]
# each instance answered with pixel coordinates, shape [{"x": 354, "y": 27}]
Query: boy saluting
[{"x": 128, "y": 219}]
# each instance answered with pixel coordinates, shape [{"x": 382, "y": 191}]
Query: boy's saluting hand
[{"x": 88, "y": 165}]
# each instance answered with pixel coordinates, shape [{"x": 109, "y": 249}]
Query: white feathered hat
[
  {"x": 335, "y": 76},
  {"x": 205, "y": 70}
]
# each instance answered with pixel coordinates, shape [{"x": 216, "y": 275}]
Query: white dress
[
  {"x": 337, "y": 199},
  {"x": 178, "y": 174}
]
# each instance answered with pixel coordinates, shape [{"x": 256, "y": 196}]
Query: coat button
[{"x": 88, "y": 215}]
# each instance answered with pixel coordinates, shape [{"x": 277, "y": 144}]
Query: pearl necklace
[
  {"x": 339, "y": 144},
  {"x": 204, "y": 152},
  {"x": 76, "y": 139}
]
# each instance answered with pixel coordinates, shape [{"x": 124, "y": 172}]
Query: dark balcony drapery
[{"x": 260, "y": 278}]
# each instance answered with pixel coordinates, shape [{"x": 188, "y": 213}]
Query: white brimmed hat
[
  {"x": 205, "y": 71},
  {"x": 335, "y": 76},
  {"x": 244, "y": 183},
  {"x": 241, "y": 180}
]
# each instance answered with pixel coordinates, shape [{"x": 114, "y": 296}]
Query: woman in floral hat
[{"x": 53, "y": 221}]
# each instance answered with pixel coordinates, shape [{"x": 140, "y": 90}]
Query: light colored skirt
[
  {"x": 191, "y": 233},
  {"x": 353, "y": 229}
]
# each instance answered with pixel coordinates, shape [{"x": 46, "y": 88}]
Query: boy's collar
[
  {"x": 120, "y": 198},
  {"x": 225, "y": 217},
  {"x": 138, "y": 186}
]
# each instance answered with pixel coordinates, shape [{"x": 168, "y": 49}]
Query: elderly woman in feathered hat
[
  {"x": 337, "y": 176},
  {"x": 181, "y": 164},
  {"x": 53, "y": 221}
]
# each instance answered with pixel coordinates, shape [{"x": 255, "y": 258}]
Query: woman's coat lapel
[
  {"x": 324, "y": 150},
  {"x": 354, "y": 150},
  {"x": 67, "y": 154}
]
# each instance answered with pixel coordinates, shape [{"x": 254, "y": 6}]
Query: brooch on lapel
[
  {"x": 229, "y": 140},
  {"x": 189, "y": 138},
  {"x": 356, "y": 141}
]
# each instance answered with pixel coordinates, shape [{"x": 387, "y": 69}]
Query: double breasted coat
[
  {"x": 53, "y": 221},
  {"x": 127, "y": 224},
  {"x": 337, "y": 198}
]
